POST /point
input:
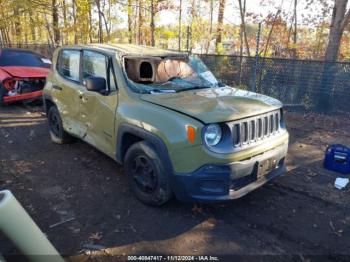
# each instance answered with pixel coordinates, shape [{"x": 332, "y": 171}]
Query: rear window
[{"x": 22, "y": 58}]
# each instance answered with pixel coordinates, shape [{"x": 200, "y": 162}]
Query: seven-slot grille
[{"x": 252, "y": 129}]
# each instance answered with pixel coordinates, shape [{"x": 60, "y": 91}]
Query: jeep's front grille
[{"x": 253, "y": 129}]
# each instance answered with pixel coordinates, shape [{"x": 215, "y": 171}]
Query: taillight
[{"x": 9, "y": 83}]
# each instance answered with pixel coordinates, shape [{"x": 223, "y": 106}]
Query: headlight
[{"x": 212, "y": 134}]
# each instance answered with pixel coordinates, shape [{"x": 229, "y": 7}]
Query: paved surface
[{"x": 300, "y": 213}]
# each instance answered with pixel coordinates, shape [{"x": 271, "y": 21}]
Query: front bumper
[
  {"x": 25, "y": 96},
  {"x": 229, "y": 181}
]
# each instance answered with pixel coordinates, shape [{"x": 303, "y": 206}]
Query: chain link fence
[{"x": 303, "y": 84}]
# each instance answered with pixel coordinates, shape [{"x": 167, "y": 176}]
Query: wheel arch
[
  {"x": 130, "y": 134},
  {"x": 48, "y": 102}
]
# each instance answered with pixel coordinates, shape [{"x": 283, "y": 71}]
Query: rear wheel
[
  {"x": 57, "y": 133},
  {"x": 146, "y": 174}
]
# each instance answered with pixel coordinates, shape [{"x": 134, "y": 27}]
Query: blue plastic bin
[{"x": 337, "y": 158}]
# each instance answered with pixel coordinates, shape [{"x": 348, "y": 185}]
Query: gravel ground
[{"x": 298, "y": 215}]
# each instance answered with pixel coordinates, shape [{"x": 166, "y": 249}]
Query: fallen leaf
[{"x": 95, "y": 236}]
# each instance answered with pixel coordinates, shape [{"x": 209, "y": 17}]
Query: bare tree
[
  {"x": 100, "y": 30},
  {"x": 130, "y": 21},
  {"x": 180, "y": 22},
  {"x": 243, "y": 33},
  {"x": 211, "y": 16},
  {"x": 152, "y": 25},
  {"x": 75, "y": 21},
  {"x": 56, "y": 31},
  {"x": 140, "y": 25},
  {"x": 340, "y": 18},
  {"x": 295, "y": 22},
  {"x": 17, "y": 23},
  {"x": 220, "y": 24}
]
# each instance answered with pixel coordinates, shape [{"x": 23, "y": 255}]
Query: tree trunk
[
  {"x": 140, "y": 25},
  {"x": 130, "y": 21},
  {"x": 48, "y": 30},
  {"x": 17, "y": 25},
  {"x": 152, "y": 25},
  {"x": 242, "y": 10},
  {"x": 339, "y": 20},
  {"x": 211, "y": 16},
  {"x": 56, "y": 31},
  {"x": 338, "y": 23},
  {"x": 90, "y": 22},
  {"x": 295, "y": 29},
  {"x": 65, "y": 23},
  {"x": 75, "y": 22},
  {"x": 210, "y": 26},
  {"x": 100, "y": 32},
  {"x": 295, "y": 22},
  {"x": 220, "y": 24},
  {"x": 180, "y": 22},
  {"x": 108, "y": 31},
  {"x": 189, "y": 43}
]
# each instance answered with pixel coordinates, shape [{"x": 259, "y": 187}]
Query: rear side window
[
  {"x": 68, "y": 64},
  {"x": 13, "y": 57}
]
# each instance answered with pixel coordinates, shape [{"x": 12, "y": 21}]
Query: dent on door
[
  {"x": 67, "y": 100},
  {"x": 97, "y": 113}
]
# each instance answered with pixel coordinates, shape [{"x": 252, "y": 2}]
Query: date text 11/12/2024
[{"x": 173, "y": 258}]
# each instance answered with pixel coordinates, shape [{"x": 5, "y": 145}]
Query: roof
[
  {"x": 129, "y": 49},
  {"x": 18, "y": 50}
]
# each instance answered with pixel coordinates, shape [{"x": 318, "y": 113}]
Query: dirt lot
[{"x": 298, "y": 214}]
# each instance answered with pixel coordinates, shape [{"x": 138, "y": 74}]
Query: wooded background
[{"x": 200, "y": 25}]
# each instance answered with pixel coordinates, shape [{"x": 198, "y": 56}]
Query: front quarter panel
[{"x": 168, "y": 125}]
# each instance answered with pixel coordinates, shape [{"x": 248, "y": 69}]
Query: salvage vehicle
[
  {"x": 163, "y": 115},
  {"x": 22, "y": 75}
]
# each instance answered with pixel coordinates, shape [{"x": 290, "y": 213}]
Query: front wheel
[
  {"x": 3, "y": 93},
  {"x": 57, "y": 133},
  {"x": 146, "y": 174}
]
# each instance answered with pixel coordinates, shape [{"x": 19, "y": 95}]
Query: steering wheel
[{"x": 173, "y": 78}]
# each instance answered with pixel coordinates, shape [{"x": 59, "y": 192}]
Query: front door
[{"x": 97, "y": 109}]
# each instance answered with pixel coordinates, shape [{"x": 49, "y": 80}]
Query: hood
[
  {"x": 214, "y": 105},
  {"x": 25, "y": 72}
]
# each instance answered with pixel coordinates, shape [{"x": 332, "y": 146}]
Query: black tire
[
  {"x": 146, "y": 174},
  {"x": 3, "y": 92},
  {"x": 57, "y": 133}
]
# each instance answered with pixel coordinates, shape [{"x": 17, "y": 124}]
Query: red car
[{"x": 22, "y": 75}]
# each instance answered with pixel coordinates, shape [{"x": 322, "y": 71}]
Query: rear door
[
  {"x": 68, "y": 89},
  {"x": 97, "y": 110}
]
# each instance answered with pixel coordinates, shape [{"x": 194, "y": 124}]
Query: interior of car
[{"x": 156, "y": 70}]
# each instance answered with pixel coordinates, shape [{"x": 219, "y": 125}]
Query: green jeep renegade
[{"x": 165, "y": 117}]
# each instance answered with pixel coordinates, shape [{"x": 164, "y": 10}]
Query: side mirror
[{"x": 95, "y": 84}]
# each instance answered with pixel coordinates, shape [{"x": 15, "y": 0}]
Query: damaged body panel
[
  {"x": 168, "y": 120},
  {"x": 22, "y": 75}
]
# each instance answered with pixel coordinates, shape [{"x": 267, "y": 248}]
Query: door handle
[{"x": 57, "y": 87}]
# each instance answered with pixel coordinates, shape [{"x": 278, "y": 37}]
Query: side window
[
  {"x": 94, "y": 65},
  {"x": 68, "y": 66}
]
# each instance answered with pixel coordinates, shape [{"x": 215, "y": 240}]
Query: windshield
[
  {"x": 169, "y": 74},
  {"x": 10, "y": 57}
]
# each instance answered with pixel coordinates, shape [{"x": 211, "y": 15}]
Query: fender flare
[
  {"x": 49, "y": 98},
  {"x": 147, "y": 136}
]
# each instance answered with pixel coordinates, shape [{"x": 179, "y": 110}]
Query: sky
[{"x": 259, "y": 7}]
